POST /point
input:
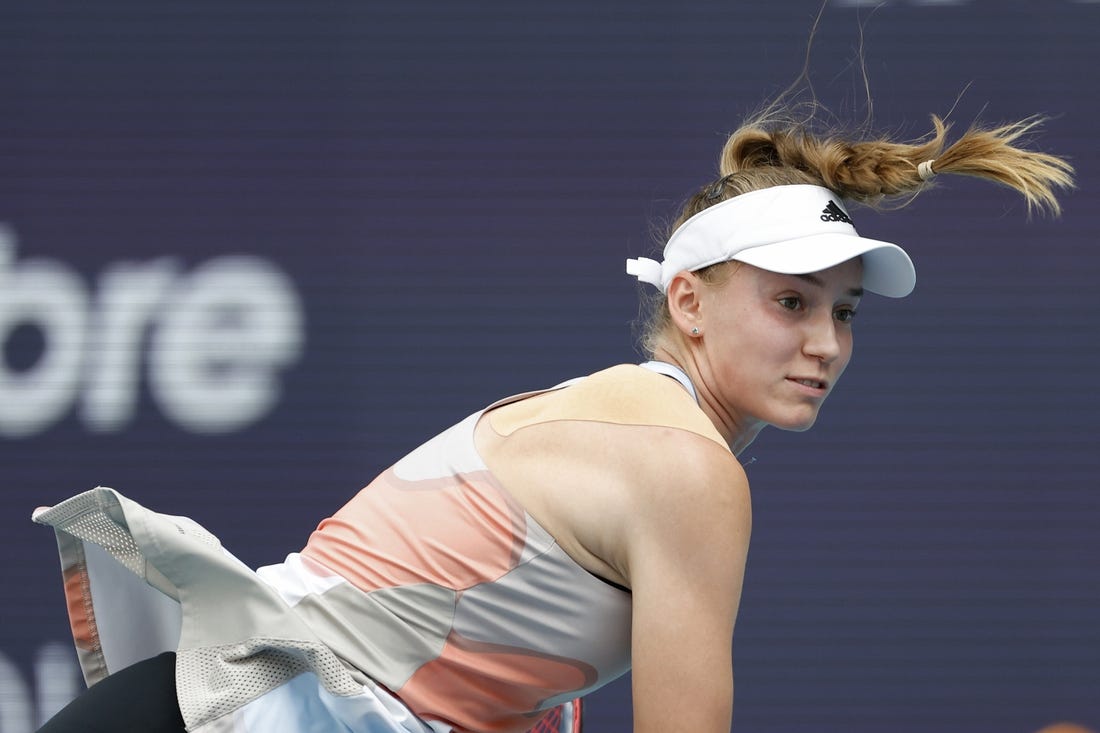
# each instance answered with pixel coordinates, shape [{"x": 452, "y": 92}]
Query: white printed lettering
[
  {"x": 15, "y": 699},
  {"x": 45, "y": 295},
  {"x": 130, "y": 296},
  {"x": 215, "y": 340},
  {"x": 57, "y": 679},
  {"x": 228, "y": 330}
]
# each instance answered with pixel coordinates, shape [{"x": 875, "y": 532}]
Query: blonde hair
[{"x": 780, "y": 147}]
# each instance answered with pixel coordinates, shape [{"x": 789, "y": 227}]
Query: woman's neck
[{"x": 737, "y": 434}]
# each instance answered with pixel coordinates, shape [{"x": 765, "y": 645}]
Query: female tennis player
[{"x": 553, "y": 540}]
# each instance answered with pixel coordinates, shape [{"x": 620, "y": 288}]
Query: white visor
[{"x": 793, "y": 230}]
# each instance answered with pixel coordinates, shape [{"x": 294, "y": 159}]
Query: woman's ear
[{"x": 685, "y": 303}]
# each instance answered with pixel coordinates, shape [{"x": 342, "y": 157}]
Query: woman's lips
[{"x": 810, "y": 384}]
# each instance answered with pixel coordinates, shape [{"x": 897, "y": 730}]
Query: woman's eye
[
  {"x": 790, "y": 303},
  {"x": 845, "y": 315}
]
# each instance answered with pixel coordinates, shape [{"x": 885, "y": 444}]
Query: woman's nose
[{"x": 822, "y": 340}]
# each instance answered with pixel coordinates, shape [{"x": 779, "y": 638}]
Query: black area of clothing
[{"x": 138, "y": 699}]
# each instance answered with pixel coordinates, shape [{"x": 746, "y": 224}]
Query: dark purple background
[{"x": 452, "y": 189}]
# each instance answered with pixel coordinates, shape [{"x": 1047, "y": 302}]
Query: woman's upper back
[
  {"x": 457, "y": 598},
  {"x": 575, "y": 458}
]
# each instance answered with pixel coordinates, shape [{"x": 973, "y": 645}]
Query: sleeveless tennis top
[
  {"x": 453, "y": 597},
  {"x": 432, "y": 585}
]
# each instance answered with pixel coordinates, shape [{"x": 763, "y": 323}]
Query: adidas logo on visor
[{"x": 833, "y": 212}]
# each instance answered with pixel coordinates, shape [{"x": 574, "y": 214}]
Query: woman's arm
[
  {"x": 663, "y": 511},
  {"x": 685, "y": 559}
]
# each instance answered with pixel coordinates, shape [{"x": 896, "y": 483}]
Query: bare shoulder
[
  {"x": 595, "y": 485},
  {"x": 685, "y": 563},
  {"x": 692, "y": 498},
  {"x": 701, "y": 470},
  {"x": 622, "y": 451}
]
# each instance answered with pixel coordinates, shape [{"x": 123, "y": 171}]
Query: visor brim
[{"x": 887, "y": 269}]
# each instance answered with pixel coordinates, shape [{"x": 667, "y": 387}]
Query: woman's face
[{"x": 773, "y": 346}]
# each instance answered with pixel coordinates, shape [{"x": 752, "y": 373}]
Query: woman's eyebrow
[{"x": 815, "y": 280}]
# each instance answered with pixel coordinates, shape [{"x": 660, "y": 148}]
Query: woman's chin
[{"x": 796, "y": 424}]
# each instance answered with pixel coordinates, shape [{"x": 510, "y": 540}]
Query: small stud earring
[{"x": 695, "y": 332}]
